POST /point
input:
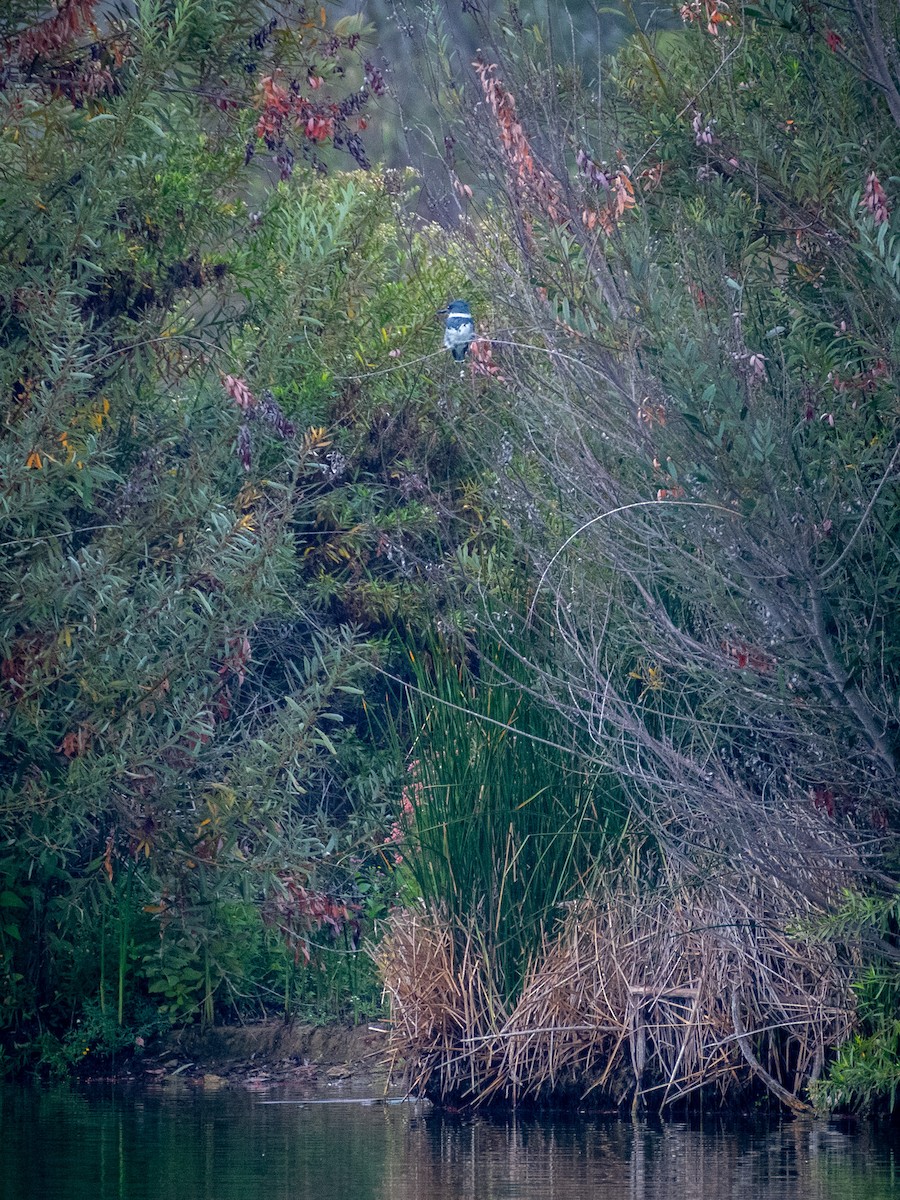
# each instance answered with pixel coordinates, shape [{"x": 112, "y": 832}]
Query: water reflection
[
  {"x": 577, "y": 1159},
  {"x": 226, "y": 1145}
]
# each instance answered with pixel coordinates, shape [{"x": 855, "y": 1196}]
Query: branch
[
  {"x": 884, "y": 479},
  {"x": 873, "y": 39},
  {"x": 756, "y": 1066},
  {"x": 848, "y": 691}
]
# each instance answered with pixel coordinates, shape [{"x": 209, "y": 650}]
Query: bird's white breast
[{"x": 463, "y": 333}]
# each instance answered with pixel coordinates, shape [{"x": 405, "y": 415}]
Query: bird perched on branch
[{"x": 459, "y": 330}]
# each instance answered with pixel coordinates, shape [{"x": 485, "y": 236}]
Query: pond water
[{"x": 232, "y": 1145}]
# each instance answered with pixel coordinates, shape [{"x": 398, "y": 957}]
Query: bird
[{"x": 459, "y": 330}]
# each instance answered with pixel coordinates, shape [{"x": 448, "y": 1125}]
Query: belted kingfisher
[{"x": 459, "y": 331}]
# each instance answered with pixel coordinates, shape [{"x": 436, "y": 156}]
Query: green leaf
[
  {"x": 326, "y": 741},
  {"x": 152, "y": 125}
]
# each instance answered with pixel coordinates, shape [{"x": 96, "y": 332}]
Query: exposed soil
[{"x": 260, "y": 1057}]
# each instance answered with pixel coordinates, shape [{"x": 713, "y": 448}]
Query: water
[{"x": 191, "y": 1145}]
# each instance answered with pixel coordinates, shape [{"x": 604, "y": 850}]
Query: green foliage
[
  {"x": 348, "y": 344},
  {"x": 238, "y": 477},
  {"x": 866, "y": 1072},
  {"x": 208, "y": 510},
  {"x": 503, "y": 823},
  {"x": 97, "y": 1037}
]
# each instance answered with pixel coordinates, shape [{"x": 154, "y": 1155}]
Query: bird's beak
[{"x": 442, "y": 312}]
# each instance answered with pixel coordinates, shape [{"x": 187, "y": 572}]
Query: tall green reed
[{"x": 507, "y": 818}]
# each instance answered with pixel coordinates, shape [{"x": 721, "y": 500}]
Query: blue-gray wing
[
  {"x": 458, "y": 333},
  {"x": 460, "y": 322}
]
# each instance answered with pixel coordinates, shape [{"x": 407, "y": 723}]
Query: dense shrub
[{"x": 209, "y": 516}]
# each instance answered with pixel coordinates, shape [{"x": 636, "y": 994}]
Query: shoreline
[{"x": 259, "y": 1057}]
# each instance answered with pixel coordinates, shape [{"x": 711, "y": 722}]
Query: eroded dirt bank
[{"x": 262, "y": 1056}]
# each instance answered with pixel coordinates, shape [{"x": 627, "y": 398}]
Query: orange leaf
[{"x": 107, "y": 858}]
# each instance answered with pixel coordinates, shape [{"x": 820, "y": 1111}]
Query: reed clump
[
  {"x": 640, "y": 998},
  {"x": 554, "y": 951}
]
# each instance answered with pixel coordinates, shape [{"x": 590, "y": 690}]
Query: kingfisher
[{"x": 459, "y": 330}]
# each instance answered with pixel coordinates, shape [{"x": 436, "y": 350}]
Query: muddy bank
[{"x": 260, "y": 1057}]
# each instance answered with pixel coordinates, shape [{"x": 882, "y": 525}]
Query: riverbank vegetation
[{"x": 567, "y": 683}]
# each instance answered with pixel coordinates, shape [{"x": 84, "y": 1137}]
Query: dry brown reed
[{"x": 640, "y": 998}]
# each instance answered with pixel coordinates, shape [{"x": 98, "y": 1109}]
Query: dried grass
[{"x": 640, "y": 997}]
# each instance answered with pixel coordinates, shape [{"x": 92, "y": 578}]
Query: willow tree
[{"x": 178, "y": 706}]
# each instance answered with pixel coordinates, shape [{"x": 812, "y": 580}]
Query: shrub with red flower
[
  {"x": 298, "y": 911},
  {"x": 410, "y": 799},
  {"x": 529, "y": 178},
  {"x": 296, "y": 117},
  {"x": 481, "y": 359},
  {"x": 46, "y": 38},
  {"x": 67, "y": 55},
  {"x": 710, "y": 13},
  {"x": 874, "y": 200}
]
